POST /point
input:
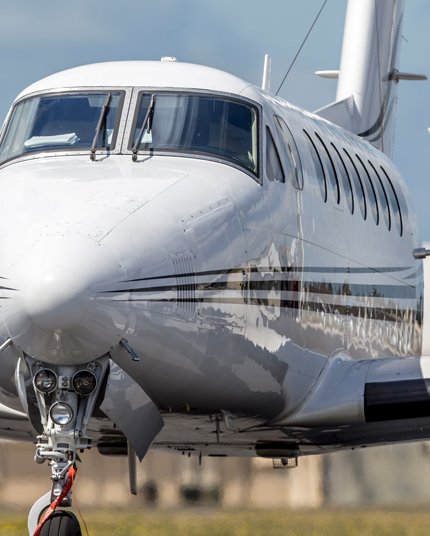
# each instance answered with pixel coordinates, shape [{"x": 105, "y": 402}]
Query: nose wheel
[{"x": 61, "y": 523}]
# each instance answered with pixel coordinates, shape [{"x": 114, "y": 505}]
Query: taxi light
[
  {"x": 61, "y": 413},
  {"x": 45, "y": 381},
  {"x": 84, "y": 382}
]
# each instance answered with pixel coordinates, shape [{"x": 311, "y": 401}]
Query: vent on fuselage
[{"x": 185, "y": 272}]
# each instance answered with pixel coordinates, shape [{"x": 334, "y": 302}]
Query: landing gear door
[{"x": 131, "y": 409}]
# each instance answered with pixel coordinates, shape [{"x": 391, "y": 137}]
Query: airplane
[{"x": 193, "y": 265}]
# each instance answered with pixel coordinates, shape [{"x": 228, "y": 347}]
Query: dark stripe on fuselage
[
  {"x": 281, "y": 269},
  {"x": 280, "y": 285},
  {"x": 302, "y": 290},
  {"x": 374, "y": 313}
]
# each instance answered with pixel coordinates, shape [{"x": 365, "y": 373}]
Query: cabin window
[
  {"x": 292, "y": 154},
  {"x": 371, "y": 195},
  {"x": 274, "y": 170},
  {"x": 383, "y": 200},
  {"x": 61, "y": 122},
  {"x": 212, "y": 126},
  {"x": 395, "y": 207},
  {"x": 344, "y": 175},
  {"x": 332, "y": 175},
  {"x": 359, "y": 190},
  {"x": 318, "y": 167}
]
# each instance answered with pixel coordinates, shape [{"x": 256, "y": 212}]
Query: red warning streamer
[{"x": 66, "y": 488}]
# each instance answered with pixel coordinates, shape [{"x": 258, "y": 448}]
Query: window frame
[
  {"x": 385, "y": 195},
  {"x": 363, "y": 191},
  {"x": 390, "y": 182},
  {"x": 293, "y": 151},
  {"x": 352, "y": 208},
  {"x": 133, "y": 116},
  {"x": 337, "y": 188},
  {"x": 269, "y": 133},
  {"x": 118, "y": 129},
  {"x": 325, "y": 196},
  {"x": 373, "y": 190}
]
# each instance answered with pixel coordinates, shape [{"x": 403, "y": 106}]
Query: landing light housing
[
  {"x": 61, "y": 413},
  {"x": 84, "y": 382},
  {"x": 45, "y": 381}
]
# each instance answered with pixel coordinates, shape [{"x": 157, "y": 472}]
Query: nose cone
[
  {"x": 57, "y": 313},
  {"x": 56, "y": 299}
]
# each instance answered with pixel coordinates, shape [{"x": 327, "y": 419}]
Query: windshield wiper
[
  {"x": 102, "y": 119},
  {"x": 148, "y": 119}
]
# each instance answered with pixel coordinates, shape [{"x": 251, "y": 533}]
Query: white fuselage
[{"x": 233, "y": 290}]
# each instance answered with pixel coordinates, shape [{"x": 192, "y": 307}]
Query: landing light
[
  {"x": 84, "y": 382},
  {"x": 61, "y": 413},
  {"x": 45, "y": 381}
]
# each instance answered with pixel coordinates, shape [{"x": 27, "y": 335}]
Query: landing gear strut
[
  {"x": 65, "y": 396},
  {"x": 63, "y": 498}
]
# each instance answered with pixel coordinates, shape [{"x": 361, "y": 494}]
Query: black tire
[{"x": 61, "y": 523}]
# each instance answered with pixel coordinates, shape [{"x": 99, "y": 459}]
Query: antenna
[
  {"x": 301, "y": 46},
  {"x": 266, "y": 72}
]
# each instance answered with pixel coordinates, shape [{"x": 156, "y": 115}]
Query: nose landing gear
[
  {"x": 65, "y": 396},
  {"x": 60, "y": 523}
]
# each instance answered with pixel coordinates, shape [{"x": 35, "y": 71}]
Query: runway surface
[{"x": 204, "y": 521}]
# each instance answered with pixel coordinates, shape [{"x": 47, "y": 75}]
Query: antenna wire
[{"x": 304, "y": 41}]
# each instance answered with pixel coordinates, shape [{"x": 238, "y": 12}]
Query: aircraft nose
[
  {"x": 55, "y": 312},
  {"x": 56, "y": 299}
]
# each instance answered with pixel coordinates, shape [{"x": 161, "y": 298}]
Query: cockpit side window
[
  {"x": 209, "y": 125},
  {"x": 395, "y": 206},
  {"x": 344, "y": 176},
  {"x": 371, "y": 195},
  {"x": 332, "y": 175},
  {"x": 274, "y": 169},
  {"x": 60, "y": 122},
  {"x": 383, "y": 200},
  {"x": 359, "y": 190},
  {"x": 318, "y": 167},
  {"x": 292, "y": 154}
]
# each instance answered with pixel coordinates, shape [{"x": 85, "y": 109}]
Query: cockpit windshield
[
  {"x": 60, "y": 122},
  {"x": 203, "y": 124}
]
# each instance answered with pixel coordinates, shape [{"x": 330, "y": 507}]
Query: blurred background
[{"x": 384, "y": 477}]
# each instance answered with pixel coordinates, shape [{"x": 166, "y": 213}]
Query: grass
[{"x": 202, "y": 522}]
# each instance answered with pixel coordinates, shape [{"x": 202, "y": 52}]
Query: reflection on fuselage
[{"x": 232, "y": 288}]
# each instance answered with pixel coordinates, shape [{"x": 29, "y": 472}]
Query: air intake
[{"x": 185, "y": 272}]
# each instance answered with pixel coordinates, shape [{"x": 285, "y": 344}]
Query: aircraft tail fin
[{"x": 366, "y": 95}]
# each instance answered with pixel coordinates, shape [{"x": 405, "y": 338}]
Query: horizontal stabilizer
[
  {"x": 328, "y": 74},
  {"x": 396, "y": 76}
]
